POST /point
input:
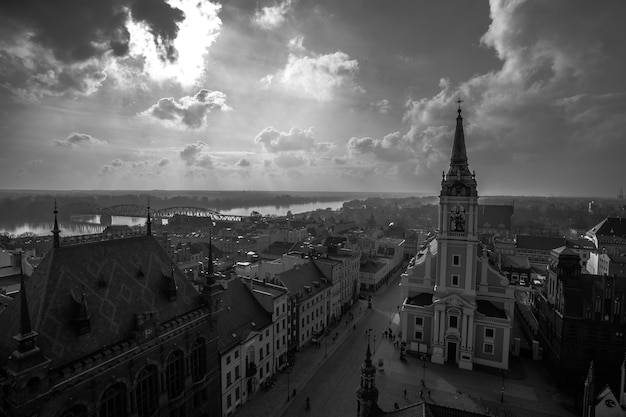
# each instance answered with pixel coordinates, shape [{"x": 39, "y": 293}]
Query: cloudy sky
[{"x": 354, "y": 95}]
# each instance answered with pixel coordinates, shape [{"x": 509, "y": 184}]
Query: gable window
[
  {"x": 488, "y": 348},
  {"x": 419, "y": 321},
  {"x": 419, "y": 335},
  {"x": 455, "y": 280},
  {"x": 490, "y": 333},
  {"x": 456, "y": 260},
  {"x": 453, "y": 322}
]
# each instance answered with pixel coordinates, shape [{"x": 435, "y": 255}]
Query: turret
[{"x": 56, "y": 239}]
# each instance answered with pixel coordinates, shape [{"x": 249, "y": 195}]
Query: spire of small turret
[
  {"x": 368, "y": 355},
  {"x": 210, "y": 271},
  {"x": 149, "y": 221},
  {"x": 56, "y": 240},
  {"x": 459, "y": 154}
]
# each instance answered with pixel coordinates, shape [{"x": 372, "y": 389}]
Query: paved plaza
[{"x": 528, "y": 389}]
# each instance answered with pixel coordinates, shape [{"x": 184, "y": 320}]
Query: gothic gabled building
[
  {"x": 109, "y": 328},
  {"x": 457, "y": 307}
]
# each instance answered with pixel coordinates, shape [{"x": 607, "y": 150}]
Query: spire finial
[
  {"x": 56, "y": 240},
  {"x": 459, "y": 101}
]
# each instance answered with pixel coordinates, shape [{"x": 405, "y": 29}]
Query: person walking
[{"x": 308, "y": 404}]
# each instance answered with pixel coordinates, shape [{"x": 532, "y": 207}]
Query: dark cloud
[
  {"x": 164, "y": 162},
  {"x": 78, "y": 30},
  {"x": 243, "y": 163}
]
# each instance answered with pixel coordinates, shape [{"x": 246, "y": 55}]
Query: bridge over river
[{"x": 134, "y": 210}]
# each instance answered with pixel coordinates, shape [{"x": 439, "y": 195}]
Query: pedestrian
[
  {"x": 405, "y": 392},
  {"x": 421, "y": 393},
  {"x": 308, "y": 404},
  {"x": 428, "y": 393},
  {"x": 396, "y": 406}
]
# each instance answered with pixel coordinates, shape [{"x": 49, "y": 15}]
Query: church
[{"x": 457, "y": 308}]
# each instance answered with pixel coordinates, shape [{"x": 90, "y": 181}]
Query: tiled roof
[
  {"x": 302, "y": 276},
  {"x": 118, "y": 277},
  {"x": 512, "y": 261},
  {"x": 611, "y": 226},
  {"x": 241, "y": 314},
  {"x": 580, "y": 243},
  {"x": 545, "y": 243}
]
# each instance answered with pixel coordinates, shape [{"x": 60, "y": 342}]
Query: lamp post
[
  {"x": 325, "y": 345},
  {"x": 502, "y": 387},
  {"x": 424, "y": 370},
  {"x": 288, "y": 390}
]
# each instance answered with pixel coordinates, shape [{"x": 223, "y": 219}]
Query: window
[
  {"x": 267, "y": 333},
  {"x": 113, "y": 401},
  {"x": 174, "y": 374},
  {"x": 236, "y": 354},
  {"x": 455, "y": 280},
  {"x": 453, "y": 322},
  {"x": 419, "y": 335},
  {"x": 229, "y": 401},
  {"x": 456, "y": 260},
  {"x": 227, "y": 359},
  {"x": 490, "y": 333},
  {"x": 237, "y": 372},
  {"x": 198, "y": 360},
  {"x": 488, "y": 348},
  {"x": 146, "y": 392},
  {"x": 229, "y": 379},
  {"x": 237, "y": 395},
  {"x": 419, "y": 321}
]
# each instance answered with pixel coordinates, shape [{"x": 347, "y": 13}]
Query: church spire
[
  {"x": 149, "y": 221},
  {"x": 56, "y": 240},
  {"x": 459, "y": 154},
  {"x": 367, "y": 393}
]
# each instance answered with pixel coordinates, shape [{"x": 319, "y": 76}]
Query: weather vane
[{"x": 459, "y": 101}]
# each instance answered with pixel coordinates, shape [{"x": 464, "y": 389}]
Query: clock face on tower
[{"x": 457, "y": 219}]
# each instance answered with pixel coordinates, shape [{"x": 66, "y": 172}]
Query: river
[{"x": 89, "y": 224}]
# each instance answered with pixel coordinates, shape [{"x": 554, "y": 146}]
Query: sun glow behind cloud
[{"x": 196, "y": 33}]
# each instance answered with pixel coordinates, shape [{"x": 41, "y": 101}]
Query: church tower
[
  {"x": 455, "y": 285},
  {"x": 367, "y": 394}
]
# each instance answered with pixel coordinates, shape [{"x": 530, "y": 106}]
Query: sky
[{"x": 326, "y": 95}]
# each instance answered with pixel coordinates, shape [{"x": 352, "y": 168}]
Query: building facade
[
  {"x": 109, "y": 328},
  {"x": 457, "y": 307}
]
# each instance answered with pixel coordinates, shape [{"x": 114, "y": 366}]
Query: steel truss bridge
[{"x": 133, "y": 210}]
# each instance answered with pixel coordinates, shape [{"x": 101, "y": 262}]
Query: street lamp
[
  {"x": 288, "y": 390},
  {"x": 424, "y": 370},
  {"x": 502, "y": 388},
  {"x": 326, "y": 346}
]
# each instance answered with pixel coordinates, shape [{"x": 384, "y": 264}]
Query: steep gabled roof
[
  {"x": 611, "y": 226},
  {"x": 545, "y": 243},
  {"x": 241, "y": 314},
  {"x": 302, "y": 277},
  {"x": 108, "y": 273}
]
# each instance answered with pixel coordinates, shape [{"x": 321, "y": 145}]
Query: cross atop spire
[{"x": 459, "y": 101}]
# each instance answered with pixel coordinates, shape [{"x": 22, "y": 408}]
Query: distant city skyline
[{"x": 312, "y": 95}]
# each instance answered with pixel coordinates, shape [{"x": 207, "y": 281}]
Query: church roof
[{"x": 118, "y": 279}]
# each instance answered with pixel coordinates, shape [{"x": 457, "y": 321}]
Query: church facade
[{"x": 457, "y": 308}]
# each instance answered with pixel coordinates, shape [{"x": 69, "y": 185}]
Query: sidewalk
[{"x": 273, "y": 403}]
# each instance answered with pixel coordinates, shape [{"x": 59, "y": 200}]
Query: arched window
[
  {"x": 113, "y": 402},
  {"x": 147, "y": 392},
  {"x": 198, "y": 360},
  {"x": 175, "y": 374}
]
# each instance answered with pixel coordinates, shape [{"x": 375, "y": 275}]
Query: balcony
[{"x": 251, "y": 370}]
